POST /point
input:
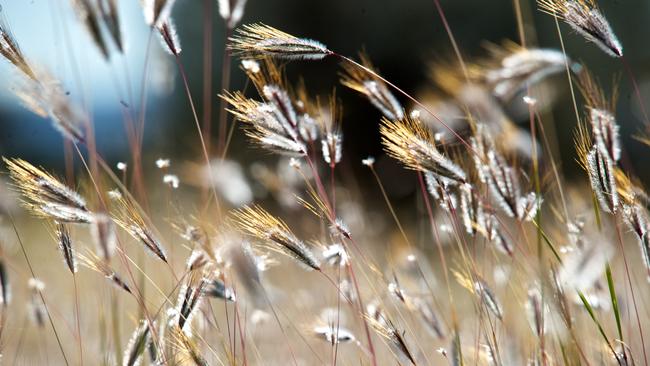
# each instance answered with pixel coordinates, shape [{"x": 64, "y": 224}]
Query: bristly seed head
[
  {"x": 45, "y": 195},
  {"x": 518, "y": 68},
  {"x": 259, "y": 40},
  {"x": 501, "y": 178},
  {"x": 65, "y": 246},
  {"x": 373, "y": 88},
  {"x": 137, "y": 344},
  {"x": 603, "y": 182},
  {"x": 332, "y": 146},
  {"x": 10, "y": 50},
  {"x": 269, "y": 124},
  {"x": 274, "y": 234},
  {"x": 130, "y": 219},
  {"x": 45, "y": 97},
  {"x": 393, "y": 337},
  {"x": 411, "y": 143},
  {"x": 90, "y": 17},
  {"x": 585, "y": 18},
  {"x": 93, "y": 262},
  {"x": 170, "y": 41}
]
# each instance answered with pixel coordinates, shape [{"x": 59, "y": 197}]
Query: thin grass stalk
[
  {"x": 226, "y": 61},
  {"x": 181, "y": 69},
  {"x": 77, "y": 319},
  {"x": 592, "y": 315},
  {"x": 137, "y": 132},
  {"x": 443, "y": 261},
  {"x": 277, "y": 319},
  {"x": 207, "y": 71},
  {"x": 332, "y": 218},
  {"x": 568, "y": 68},
  {"x": 349, "y": 268},
  {"x": 637, "y": 92},
  {"x": 538, "y": 219},
  {"x": 40, "y": 293},
  {"x": 617, "y": 314},
  {"x": 405, "y": 94},
  {"x": 452, "y": 39},
  {"x": 629, "y": 281},
  {"x": 399, "y": 225},
  {"x": 138, "y": 292},
  {"x": 93, "y": 171},
  {"x": 115, "y": 322},
  {"x": 335, "y": 345}
]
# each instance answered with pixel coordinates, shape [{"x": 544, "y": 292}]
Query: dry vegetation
[{"x": 507, "y": 263}]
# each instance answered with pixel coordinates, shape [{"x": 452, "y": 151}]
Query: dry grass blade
[
  {"x": 605, "y": 132},
  {"x": 274, "y": 234},
  {"x": 246, "y": 267},
  {"x": 259, "y": 40},
  {"x": 535, "y": 311},
  {"x": 493, "y": 232},
  {"x": 471, "y": 208},
  {"x": 441, "y": 190},
  {"x": 46, "y": 196},
  {"x": 600, "y": 110},
  {"x": 586, "y": 19},
  {"x": 197, "y": 260},
  {"x": 428, "y": 315}
]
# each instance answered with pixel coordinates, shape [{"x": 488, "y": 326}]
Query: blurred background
[{"x": 402, "y": 39}]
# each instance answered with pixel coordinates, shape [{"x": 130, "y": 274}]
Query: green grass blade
[
  {"x": 612, "y": 294},
  {"x": 590, "y": 310}
]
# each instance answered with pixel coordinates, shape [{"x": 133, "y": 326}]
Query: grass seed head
[
  {"x": 46, "y": 196},
  {"x": 260, "y": 40},
  {"x": 412, "y": 144},
  {"x": 586, "y": 19},
  {"x": 274, "y": 234}
]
